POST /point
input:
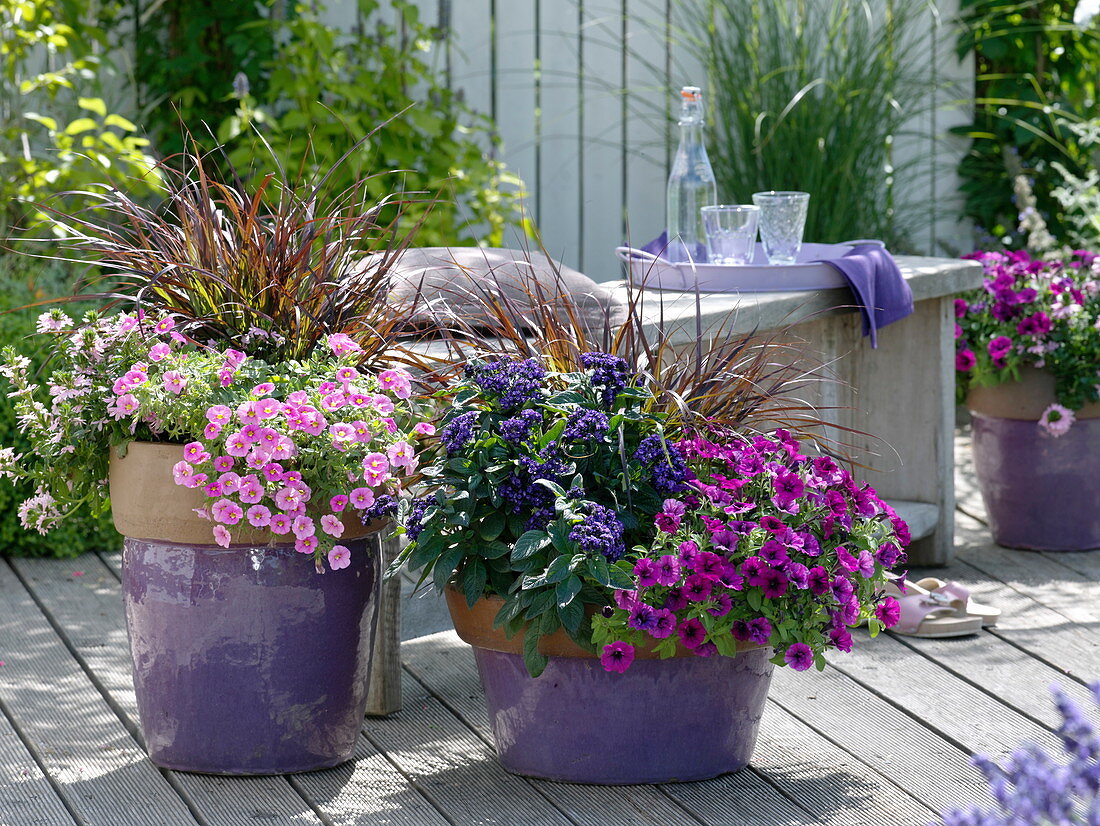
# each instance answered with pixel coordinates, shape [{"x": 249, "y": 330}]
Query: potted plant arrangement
[
  {"x": 1028, "y": 360},
  {"x": 237, "y": 405},
  {"x": 627, "y": 562}
]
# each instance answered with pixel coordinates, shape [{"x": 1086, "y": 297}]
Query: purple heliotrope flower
[
  {"x": 458, "y": 432},
  {"x": 585, "y": 426},
  {"x": 608, "y": 372},
  {"x": 513, "y": 382},
  {"x": 799, "y": 656},
  {"x": 617, "y": 657},
  {"x": 600, "y": 532}
]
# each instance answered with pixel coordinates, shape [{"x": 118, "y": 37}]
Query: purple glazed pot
[
  {"x": 1041, "y": 492},
  {"x": 685, "y": 718},
  {"x": 246, "y": 660}
]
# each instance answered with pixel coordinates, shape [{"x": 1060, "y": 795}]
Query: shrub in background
[
  {"x": 815, "y": 96},
  {"x": 23, "y": 281},
  {"x": 56, "y": 131},
  {"x": 1037, "y": 73}
]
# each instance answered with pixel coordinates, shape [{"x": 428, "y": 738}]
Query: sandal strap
[{"x": 917, "y": 607}]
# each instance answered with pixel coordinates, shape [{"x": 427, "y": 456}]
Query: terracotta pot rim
[
  {"x": 475, "y": 627},
  {"x": 1022, "y": 400},
  {"x": 170, "y": 518}
]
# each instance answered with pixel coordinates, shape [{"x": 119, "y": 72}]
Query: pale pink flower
[
  {"x": 263, "y": 389},
  {"x": 298, "y": 397},
  {"x": 280, "y": 523},
  {"x": 273, "y": 472},
  {"x": 326, "y": 387},
  {"x": 266, "y": 408},
  {"x": 269, "y": 438},
  {"x": 165, "y": 324},
  {"x": 383, "y": 405},
  {"x": 237, "y": 445},
  {"x": 359, "y": 399},
  {"x": 219, "y": 414},
  {"x": 174, "y": 381},
  {"x": 306, "y": 545},
  {"x": 1057, "y": 420},
  {"x": 250, "y": 492},
  {"x": 361, "y": 498},
  {"x": 400, "y": 454},
  {"x": 230, "y": 482},
  {"x": 202, "y": 513},
  {"x": 226, "y": 511},
  {"x": 182, "y": 472},
  {"x": 221, "y": 535},
  {"x": 341, "y": 344},
  {"x": 390, "y": 425},
  {"x": 424, "y": 429},
  {"x": 332, "y": 525},
  {"x": 223, "y": 463},
  {"x": 346, "y": 374},
  {"x": 234, "y": 358},
  {"x": 159, "y": 351},
  {"x": 225, "y": 377},
  {"x": 376, "y": 463},
  {"x": 212, "y": 431},
  {"x": 362, "y": 431},
  {"x": 136, "y": 377},
  {"x": 124, "y": 405},
  {"x": 258, "y": 458},
  {"x": 303, "y": 526},
  {"x": 339, "y": 557},
  {"x": 120, "y": 386},
  {"x": 338, "y": 503},
  {"x": 195, "y": 452},
  {"x": 397, "y": 382},
  {"x": 258, "y": 516},
  {"x": 333, "y": 401},
  {"x": 288, "y": 498},
  {"x": 196, "y": 481}
]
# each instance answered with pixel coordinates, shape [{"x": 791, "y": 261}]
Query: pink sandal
[
  {"x": 986, "y": 613},
  {"x": 931, "y": 615}
]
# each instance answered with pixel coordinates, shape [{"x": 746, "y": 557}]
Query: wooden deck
[{"x": 882, "y": 736}]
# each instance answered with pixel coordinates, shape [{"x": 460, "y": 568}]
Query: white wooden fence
[{"x": 580, "y": 90}]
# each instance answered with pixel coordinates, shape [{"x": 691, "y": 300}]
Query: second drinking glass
[{"x": 782, "y": 221}]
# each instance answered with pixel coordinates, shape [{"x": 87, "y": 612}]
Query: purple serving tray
[{"x": 808, "y": 273}]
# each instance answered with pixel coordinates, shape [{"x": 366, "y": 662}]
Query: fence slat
[{"x": 515, "y": 28}]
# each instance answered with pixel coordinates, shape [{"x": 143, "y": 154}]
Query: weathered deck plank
[
  {"x": 98, "y": 768},
  {"x": 26, "y": 795}
]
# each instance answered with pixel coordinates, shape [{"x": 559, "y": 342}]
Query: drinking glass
[
  {"x": 782, "y": 220},
  {"x": 731, "y": 232}
]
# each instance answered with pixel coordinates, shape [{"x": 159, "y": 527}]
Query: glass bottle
[{"x": 691, "y": 184}]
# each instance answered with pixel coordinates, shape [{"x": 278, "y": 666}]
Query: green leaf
[
  {"x": 567, "y": 591},
  {"x": 571, "y": 616},
  {"x": 621, "y": 579},
  {"x": 599, "y": 571},
  {"x": 559, "y": 536},
  {"x": 81, "y": 125},
  {"x": 49, "y": 123},
  {"x": 446, "y": 564},
  {"x": 529, "y": 544},
  {"x": 120, "y": 122},
  {"x": 474, "y": 576},
  {"x": 554, "y": 487},
  {"x": 532, "y": 657},
  {"x": 93, "y": 105},
  {"x": 557, "y": 570},
  {"x": 492, "y": 526}
]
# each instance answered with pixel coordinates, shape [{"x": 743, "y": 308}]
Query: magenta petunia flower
[
  {"x": 625, "y": 599},
  {"x": 212, "y": 431},
  {"x": 866, "y": 564},
  {"x": 723, "y": 604},
  {"x": 617, "y": 657},
  {"x": 642, "y": 617},
  {"x": 692, "y": 633},
  {"x": 675, "y": 600},
  {"x": 645, "y": 571},
  {"x": 773, "y": 552},
  {"x": 664, "y": 624},
  {"x": 688, "y": 551},
  {"x": 339, "y": 557},
  {"x": 708, "y": 563},
  {"x": 799, "y": 656},
  {"x": 841, "y": 639},
  {"x": 845, "y": 558},
  {"x": 697, "y": 587},
  {"x": 774, "y": 583},
  {"x": 760, "y": 630},
  {"x": 668, "y": 570},
  {"x": 888, "y": 612},
  {"x": 965, "y": 360}
]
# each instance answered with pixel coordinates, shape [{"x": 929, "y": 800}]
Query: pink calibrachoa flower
[
  {"x": 196, "y": 481},
  {"x": 219, "y": 414},
  {"x": 303, "y": 526},
  {"x": 361, "y": 498},
  {"x": 306, "y": 545},
  {"x": 257, "y": 458},
  {"x": 1057, "y": 420},
  {"x": 237, "y": 445},
  {"x": 182, "y": 472},
  {"x": 338, "y": 503},
  {"x": 268, "y": 408},
  {"x": 213, "y": 489},
  {"x": 165, "y": 324},
  {"x": 333, "y": 401},
  {"x": 226, "y": 511},
  {"x": 223, "y": 463},
  {"x": 424, "y": 429},
  {"x": 230, "y": 482},
  {"x": 263, "y": 389},
  {"x": 401, "y": 454},
  {"x": 342, "y": 344},
  {"x": 280, "y": 523},
  {"x": 159, "y": 351},
  {"x": 195, "y": 452},
  {"x": 221, "y": 535},
  {"x": 383, "y": 405},
  {"x": 339, "y": 557},
  {"x": 289, "y": 498},
  {"x": 258, "y": 516},
  {"x": 284, "y": 449},
  {"x": 212, "y": 431},
  {"x": 397, "y": 382},
  {"x": 359, "y": 399},
  {"x": 346, "y": 374},
  {"x": 250, "y": 490},
  {"x": 246, "y": 413},
  {"x": 273, "y": 472},
  {"x": 251, "y": 433},
  {"x": 225, "y": 378},
  {"x": 124, "y": 405},
  {"x": 332, "y": 525}
]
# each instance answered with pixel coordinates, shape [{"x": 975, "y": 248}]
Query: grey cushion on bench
[{"x": 451, "y": 278}]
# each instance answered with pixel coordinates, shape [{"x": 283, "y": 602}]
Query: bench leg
[{"x": 384, "y": 695}]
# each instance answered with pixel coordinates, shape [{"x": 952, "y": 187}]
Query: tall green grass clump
[{"x": 819, "y": 95}]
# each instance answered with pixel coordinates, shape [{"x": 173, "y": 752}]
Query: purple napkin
[{"x": 881, "y": 293}]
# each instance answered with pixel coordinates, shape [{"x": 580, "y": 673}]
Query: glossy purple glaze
[
  {"x": 1041, "y": 493},
  {"x": 687, "y": 718},
  {"x": 246, "y": 660}
]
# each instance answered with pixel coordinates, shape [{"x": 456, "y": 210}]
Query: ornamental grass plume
[{"x": 1035, "y": 788}]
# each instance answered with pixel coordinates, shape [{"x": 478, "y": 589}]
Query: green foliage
[
  {"x": 325, "y": 90},
  {"x": 23, "y": 281},
  {"x": 57, "y": 133},
  {"x": 824, "y": 92},
  {"x": 1037, "y": 76}
]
